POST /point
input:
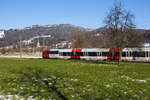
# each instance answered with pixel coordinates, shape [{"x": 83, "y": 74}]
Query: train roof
[
  {"x": 97, "y": 49},
  {"x": 84, "y": 49},
  {"x": 136, "y": 49}
]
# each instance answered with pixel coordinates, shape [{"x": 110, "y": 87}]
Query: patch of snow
[
  {"x": 75, "y": 80},
  {"x": 108, "y": 86},
  {"x": 145, "y": 81},
  {"x": 72, "y": 96},
  {"x": 131, "y": 79},
  {"x": 15, "y": 97}
]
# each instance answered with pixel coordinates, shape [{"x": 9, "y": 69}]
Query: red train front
[
  {"x": 46, "y": 53},
  {"x": 50, "y": 53}
]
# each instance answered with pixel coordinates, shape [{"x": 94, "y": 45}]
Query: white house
[
  {"x": 147, "y": 44},
  {"x": 2, "y": 35}
]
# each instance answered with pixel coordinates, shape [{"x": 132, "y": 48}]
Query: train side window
[
  {"x": 105, "y": 54},
  {"x": 67, "y": 53},
  {"x": 95, "y": 53},
  {"x": 124, "y": 54},
  {"x": 135, "y": 54},
  {"x": 50, "y": 52},
  {"x": 44, "y": 52},
  {"x": 71, "y": 54},
  {"x": 53, "y": 52},
  {"x": 116, "y": 54},
  {"x": 78, "y": 53},
  {"x": 139, "y": 54},
  {"x": 92, "y": 53},
  {"x": 146, "y": 53},
  {"x": 84, "y": 53},
  {"x": 64, "y": 54},
  {"x": 56, "y": 52},
  {"x": 142, "y": 54},
  {"x": 130, "y": 54},
  {"x": 81, "y": 54}
]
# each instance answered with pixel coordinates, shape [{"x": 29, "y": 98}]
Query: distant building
[
  {"x": 27, "y": 42},
  {"x": 63, "y": 44},
  {"x": 30, "y": 41},
  {"x": 38, "y": 43},
  {"x": 2, "y": 35},
  {"x": 147, "y": 44}
]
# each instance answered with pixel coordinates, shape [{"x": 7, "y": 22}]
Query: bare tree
[
  {"x": 121, "y": 33},
  {"x": 97, "y": 41},
  {"x": 80, "y": 39},
  {"x": 147, "y": 35}
]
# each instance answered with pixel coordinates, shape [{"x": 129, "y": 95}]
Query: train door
[
  {"x": 77, "y": 53},
  {"x": 113, "y": 54}
]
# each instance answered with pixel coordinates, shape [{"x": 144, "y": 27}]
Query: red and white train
[{"x": 128, "y": 54}]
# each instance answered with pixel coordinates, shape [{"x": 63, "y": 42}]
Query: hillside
[
  {"x": 59, "y": 32},
  {"x": 144, "y": 32}
]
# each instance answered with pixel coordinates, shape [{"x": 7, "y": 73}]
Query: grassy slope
[{"x": 73, "y": 79}]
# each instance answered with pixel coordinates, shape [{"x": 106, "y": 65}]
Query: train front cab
[
  {"x": 45, "y": 53},
  {"x": 50, "y": 53}
]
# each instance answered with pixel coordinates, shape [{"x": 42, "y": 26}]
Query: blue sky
[{"x": 86, "y": 13}]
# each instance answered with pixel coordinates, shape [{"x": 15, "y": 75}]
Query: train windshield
[{"x": 50, "y": 52}]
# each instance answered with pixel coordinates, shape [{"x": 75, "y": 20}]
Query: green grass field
[{"x": 73, "y": 80}]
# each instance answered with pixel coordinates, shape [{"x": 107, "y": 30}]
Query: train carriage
[
  {"x": 136, "y": 54},
  {"x": 65, "y": 53},
  {"x": 95, "y": 54},
  {"x": 128, "y": 54},
  {"x": 84, "y": 54}
]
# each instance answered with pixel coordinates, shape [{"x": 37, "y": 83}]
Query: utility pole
[
  {"x": 38, "y": 43},
  {"x": 20, "y": 47},
  {"x": 43, "y": 41}
]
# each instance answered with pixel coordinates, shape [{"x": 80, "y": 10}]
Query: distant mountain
[{"x": 60, "y": 32}]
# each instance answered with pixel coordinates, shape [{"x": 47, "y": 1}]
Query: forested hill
[{"x": 59, "y": 32}]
